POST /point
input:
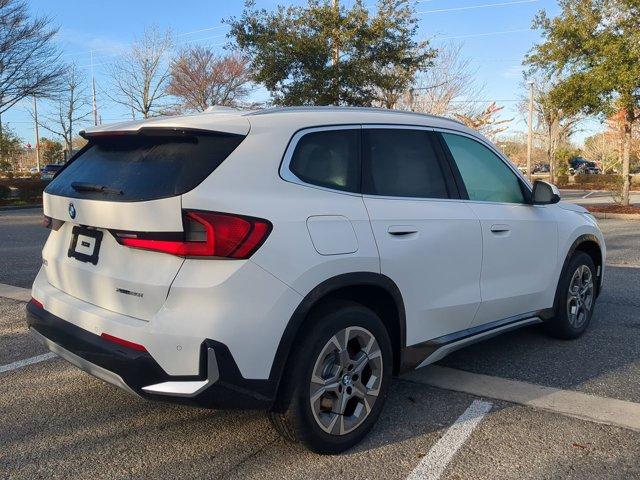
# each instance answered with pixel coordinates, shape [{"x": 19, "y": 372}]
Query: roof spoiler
[{"x": 154, "y": 132}]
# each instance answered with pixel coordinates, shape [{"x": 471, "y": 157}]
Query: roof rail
[
  {"x": 276, "y": 110},
  {"x": 221, "y": 108}
]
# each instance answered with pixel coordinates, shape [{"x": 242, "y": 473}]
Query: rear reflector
[
  {"x": 124, "y": 343},
  {"x": 36, "y": 303},
  {"x": 206, "y": 234}
]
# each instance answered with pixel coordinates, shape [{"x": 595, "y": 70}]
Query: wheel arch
[
  {"x": 373, "y": 290},
  {"x": 589, "y": 244}
]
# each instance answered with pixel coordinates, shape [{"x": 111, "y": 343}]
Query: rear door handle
[
  {"x": 500, "y": 228},
  {"x": 399, "y": 230}
]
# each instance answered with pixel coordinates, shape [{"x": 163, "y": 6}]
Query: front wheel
[
  {"x": 336, "y": 382},
  {"x": 576, "y": 298}
]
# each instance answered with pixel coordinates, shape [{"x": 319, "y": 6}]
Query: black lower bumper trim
[{"x": 139, "y": 369}]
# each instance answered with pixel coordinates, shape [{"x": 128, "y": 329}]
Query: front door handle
[
  {"x": 500, "y": 228},
  {"x": 399, "y": 230}
]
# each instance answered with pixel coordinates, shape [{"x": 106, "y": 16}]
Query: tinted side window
[
  {"x": 485, "y": 175},
  {"x": 329, "y": 158},
  {"x": 401, "y": 163}
]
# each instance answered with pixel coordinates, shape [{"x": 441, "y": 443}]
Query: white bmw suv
[{"x": 295, "y": 259}]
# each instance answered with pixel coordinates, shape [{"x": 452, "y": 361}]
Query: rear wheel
[
  {"x": 337, "y": 379},
  {"x": 575, "y": 298}
]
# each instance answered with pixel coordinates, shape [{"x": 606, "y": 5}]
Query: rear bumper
[{"x": 219, "y": 383}]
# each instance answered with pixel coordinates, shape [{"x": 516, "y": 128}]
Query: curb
[
  {"x": 621, "y": 216},
  {"x": 20, "y": 207},
  {"x": 15, "y": 293}
]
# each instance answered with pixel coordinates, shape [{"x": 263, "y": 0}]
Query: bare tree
[
  {"x": 552, "y": 124},
  {"x": 141, "y": 75},
  {"x": 486, "y": 121},
  {"x": 201, "y": 79},
  {"x": 29, "y": 61},
  {"x": 448, "y": 87},
  {"x": 71, "y": 107},
  {"x": 604, "y": 148}
]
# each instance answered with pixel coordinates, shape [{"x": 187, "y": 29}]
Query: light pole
[
  {"x": 530, "y": 135},
  {"x": 35, "y": 116}
]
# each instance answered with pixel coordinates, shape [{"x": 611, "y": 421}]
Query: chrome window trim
[{"x": 288, "y": 176}]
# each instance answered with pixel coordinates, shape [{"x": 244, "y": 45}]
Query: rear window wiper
[{"x": 94, "y": 187}]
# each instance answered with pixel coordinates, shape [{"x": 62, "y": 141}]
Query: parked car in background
[
  {"x": 580, "y": 166},
  {"x": 49, "y": 171},
  {"x": 294, "y": 259},
  {"x": 541, "y": 168}
]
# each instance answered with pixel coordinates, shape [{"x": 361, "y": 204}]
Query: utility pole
[
  {"x": 93, "y": 83},
  {"x": 35, "y": 116},
  {"x": 530, "y": 135}
]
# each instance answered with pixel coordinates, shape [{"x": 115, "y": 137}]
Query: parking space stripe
[
  {"x": 608, "y": 411},
  {"x": 15, "y": 293},
  {"x": 26, "y": 361},
  {"x": 434, "y": 463}
]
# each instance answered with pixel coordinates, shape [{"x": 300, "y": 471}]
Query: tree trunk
[
  {"x": 335, "y": 54},
  {"x": 626, "y": 153},
  {"x": 551, "y": 159}
]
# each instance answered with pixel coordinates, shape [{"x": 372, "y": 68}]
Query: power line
[
  {"x": 201, "y": 30},
  {"x": 474, "y": 7},
  {"x": 183, "y": 34},
  {"x": 179, "y": 43},
  {"x": 484, "y": 34}
]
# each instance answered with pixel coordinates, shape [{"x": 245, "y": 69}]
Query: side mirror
[{"x": 545, "y": 193}]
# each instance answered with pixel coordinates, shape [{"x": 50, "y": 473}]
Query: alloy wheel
[
  {"x": 580, "y": 296},
  {"x": 346, "y": 380}
]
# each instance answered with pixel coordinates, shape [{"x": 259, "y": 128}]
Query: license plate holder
[{"x": 85, "y": 244}]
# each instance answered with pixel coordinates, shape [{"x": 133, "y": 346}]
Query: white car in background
[{"x": 294, "y": 259}]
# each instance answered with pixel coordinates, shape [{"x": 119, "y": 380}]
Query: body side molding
[{"x": 430, "y": 351}]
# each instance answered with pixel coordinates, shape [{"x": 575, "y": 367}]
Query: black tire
[
  {"x": 293, "y": 415},
  {"x": 562, "y": 326}
]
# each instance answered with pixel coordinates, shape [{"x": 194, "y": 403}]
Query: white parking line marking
[
  {"x": 588, "y": 194},
  {"x": 608, "y": 411},
  {"x": 434, "y": 463},
  {"x": 27, "y": 361},
  {"x": 15, "y": 293}
]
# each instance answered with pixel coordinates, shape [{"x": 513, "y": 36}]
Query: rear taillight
[{"x": 206, "y": 234}]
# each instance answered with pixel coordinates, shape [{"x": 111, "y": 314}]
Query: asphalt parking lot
[
  {"x": 591, "y": 197},
  {"x": 59, "y": 422}
]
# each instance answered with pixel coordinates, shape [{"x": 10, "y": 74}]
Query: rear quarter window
[
  {"x": 143, "y": 167},
  {"x": 329, "y": 158}
]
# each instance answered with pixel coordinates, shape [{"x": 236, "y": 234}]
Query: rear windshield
[{"x": 142, "y": 167}]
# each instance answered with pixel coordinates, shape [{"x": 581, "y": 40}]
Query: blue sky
[{"x": 495, "y": 34}]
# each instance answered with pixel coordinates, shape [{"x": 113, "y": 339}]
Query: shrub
[{"x": 28, "y": 189}]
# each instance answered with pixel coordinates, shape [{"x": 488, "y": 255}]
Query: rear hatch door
[{"x": 119, "y": 183}]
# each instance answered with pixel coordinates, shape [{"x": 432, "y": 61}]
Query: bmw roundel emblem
[{"x": 72, "y": 211}]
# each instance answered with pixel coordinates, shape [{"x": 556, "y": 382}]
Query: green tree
[
  {"x": 51, "y": 151},
  {"x": 10, "y": 149},
  {"x": 564, "y": 155},
  {"x": 327, "y": 54},
  {"x": 10, "y": 143},
  {"x": 592, "y": 47}
]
